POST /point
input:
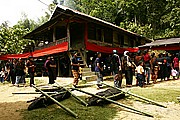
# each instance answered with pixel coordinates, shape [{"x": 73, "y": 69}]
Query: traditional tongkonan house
[{"x": 69, "y": 30}]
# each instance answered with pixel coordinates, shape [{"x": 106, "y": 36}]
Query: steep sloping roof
[
  {"x": 60, "y": 10},
  {"x": 161, "y": 42},
  {"x": 60, "y": 7}
]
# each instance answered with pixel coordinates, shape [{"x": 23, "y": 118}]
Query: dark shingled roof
[
  {"x": 65, "y": 10},
  {"x": 161, "y": 42}
]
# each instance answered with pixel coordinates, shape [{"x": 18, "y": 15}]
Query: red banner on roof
[
  {"x": 37, "y": 53},
  {"x": 103, "y": 49}
]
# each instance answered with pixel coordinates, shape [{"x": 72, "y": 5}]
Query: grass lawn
[
  {"x": 53, "y": 112},
  {"x": 159, "y": 94},
  {"x": 107, "y": 112}
]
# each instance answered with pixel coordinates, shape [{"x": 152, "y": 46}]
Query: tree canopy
[{"x": 150, "y": 18}]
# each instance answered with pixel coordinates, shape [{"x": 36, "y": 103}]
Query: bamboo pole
[
  {"x": 58, "y": 103},
  {"x": 109, "y": 97},
  {"x": 115, "y": 102},
  {"x": 43, "y": 97},
  {"x": 76, "y": 97},
  {"x": 140, "y": 97},
  {"x": 37, "y": 92}
]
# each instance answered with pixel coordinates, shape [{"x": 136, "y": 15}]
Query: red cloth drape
[
  {"x": 51, "y": 50},
  {"x": 103, "y": 49},
  {"x": 37, "y": 53},
  {"x": 16, "y": 56}
]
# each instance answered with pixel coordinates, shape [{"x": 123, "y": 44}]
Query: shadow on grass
[{"x": 54, "y": 112}]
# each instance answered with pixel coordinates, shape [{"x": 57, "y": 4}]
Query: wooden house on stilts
[{"x": 69, "y": 30}]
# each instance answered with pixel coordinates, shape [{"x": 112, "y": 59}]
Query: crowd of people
[
  {"x": 15, "y": 71},
  {"x": 143, "y": 65}
]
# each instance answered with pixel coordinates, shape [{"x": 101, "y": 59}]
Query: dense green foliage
[
  {"x": 11, "y": 40},
  {"x": 150, "y": 18}
]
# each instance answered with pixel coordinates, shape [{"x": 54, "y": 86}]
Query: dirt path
[
  {"x": 11, "y": 105},
  {"x": 172, "y": 112}
]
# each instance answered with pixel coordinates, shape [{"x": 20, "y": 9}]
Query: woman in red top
[{"x": 176, "y": 64}]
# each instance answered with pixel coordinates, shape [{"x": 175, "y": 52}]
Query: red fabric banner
[
  {"x": 103, "y": 49},
  {"x": 51, "y": 50},
  {"x": 16, "y": 56},
  {"x": 37, "y": 53}
]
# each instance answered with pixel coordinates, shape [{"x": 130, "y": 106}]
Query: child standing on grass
[
  {"x": 2, "y": 75},
  {"x": 140, "y": 74},
  {"x": 174, "y": 73}
]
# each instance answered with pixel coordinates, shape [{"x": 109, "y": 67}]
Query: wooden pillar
[
  {"x": 69, "y": 43},
  {"x": 85, "y": 42},
  {"x": 58, "y": 66},
  {"x": 54, "y": 34},
  {"x": 68, "y": 36}
]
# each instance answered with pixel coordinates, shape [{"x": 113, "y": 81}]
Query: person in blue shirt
[{"x": 98, "y": 70}]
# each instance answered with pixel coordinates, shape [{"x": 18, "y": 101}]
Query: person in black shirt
[
  {"x": 127, "y": 65},
  {"x": 19, "y": 71},
  {"x": 31, "y": 69},
  {"x": 12, "y": 73},
  {"x": 75, "y": 69},
  {"x": 49, "y": 66},
  {"x": 116, "y": 69},
  {"x": 53, "y": 68}
]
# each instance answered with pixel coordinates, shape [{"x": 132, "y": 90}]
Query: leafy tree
[
  {"x": 150, "y": 18},
  {"x": 11, "y": 40}
]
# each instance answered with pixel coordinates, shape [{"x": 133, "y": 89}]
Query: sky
[{"x": 12, "y": 10}]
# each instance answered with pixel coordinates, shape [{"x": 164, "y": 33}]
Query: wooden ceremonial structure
[
  {"x": 69, "y": 30},
  {"x": 100, "y": 98}
]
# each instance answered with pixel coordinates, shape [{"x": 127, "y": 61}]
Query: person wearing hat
[
  {"x": 75, "y": 69},
  {"x": 98, "y": 70},
  {"x": 31, "y": 69},
  {"x": 116, "y": 69}
]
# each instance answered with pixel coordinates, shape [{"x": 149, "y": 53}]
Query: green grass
[
  {"x": 158, "y": 94},
  {"x": 54, "y": 112},
  {"x": 107, "y": 112}
]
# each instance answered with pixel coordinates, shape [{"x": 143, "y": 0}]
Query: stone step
[
  {"x": 90, "y": 78},
  {"x": 80, "y": 61},
  {"x": 86, "y": 69},
  {"x": 88, "y": 73},
  {"x": 82, "y": 65}
]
